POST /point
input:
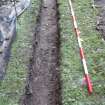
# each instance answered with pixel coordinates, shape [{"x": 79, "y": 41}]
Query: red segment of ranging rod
[{"x": 87, "y": 77}]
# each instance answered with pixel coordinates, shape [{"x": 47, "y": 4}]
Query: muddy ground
[
  {"x": 100, "y": 25},
  {"x": 43, "y": 87}
]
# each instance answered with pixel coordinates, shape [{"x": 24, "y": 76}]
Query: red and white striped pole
[{"x": 87, "y": 77}]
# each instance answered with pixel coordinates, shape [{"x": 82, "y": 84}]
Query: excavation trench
[{"x": 43, "y": 85}]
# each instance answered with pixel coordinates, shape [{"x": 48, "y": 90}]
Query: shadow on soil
[{"x": 43, "y": 83}]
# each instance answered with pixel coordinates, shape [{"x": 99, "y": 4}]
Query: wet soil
[
  {"x": 43, "y": 86},
  {"x": 100, "y": 25}
]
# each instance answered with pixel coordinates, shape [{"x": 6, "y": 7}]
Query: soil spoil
[
  {"x": 100, "y": 25},
  {"x": 43, "y": 85}
]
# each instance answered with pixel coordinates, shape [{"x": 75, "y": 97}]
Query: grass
[
  {"x": 12, "y": 87},
  {"x": 71, "y": 68}
]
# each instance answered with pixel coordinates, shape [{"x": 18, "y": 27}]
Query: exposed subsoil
[
  {"x": 43, "y": 85},
  {"x": 100, "y": 25}
]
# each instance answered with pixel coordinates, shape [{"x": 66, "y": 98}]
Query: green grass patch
[
  {"x": 71, "y": 67},
  {"x": 12, "y": 87}
]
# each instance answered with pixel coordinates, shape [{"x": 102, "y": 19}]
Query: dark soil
[
  {"x": 43, "y": 87},
  {"x": 100, "y": 26}
]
